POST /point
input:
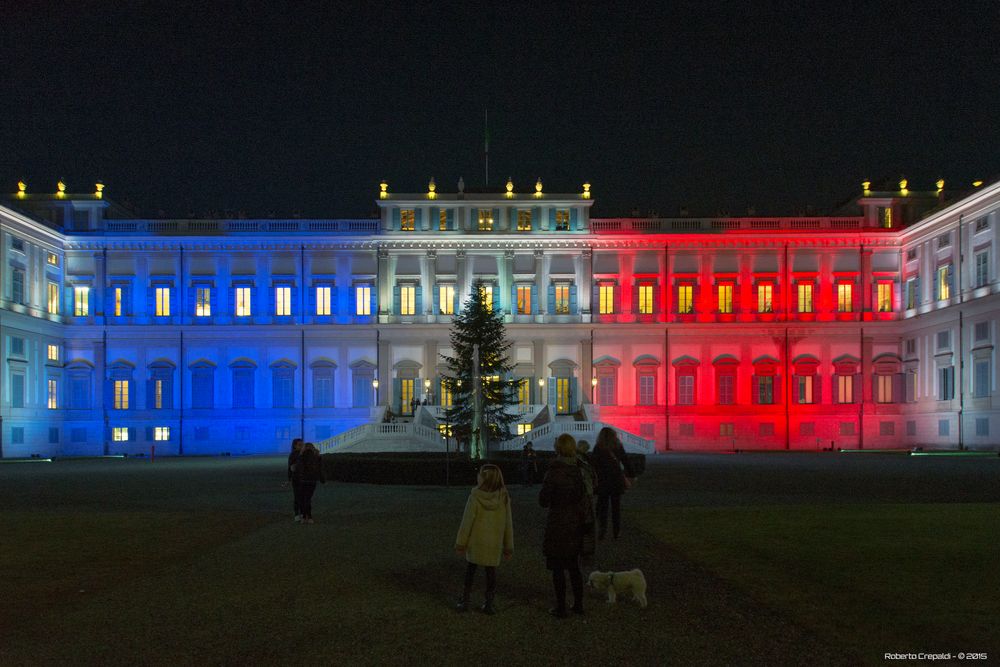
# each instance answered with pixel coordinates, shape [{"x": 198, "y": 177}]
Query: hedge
[{"x": 427, "y": 468}]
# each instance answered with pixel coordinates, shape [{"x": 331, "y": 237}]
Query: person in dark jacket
[
  {"x": 293, "y": 456},
  {"x": 309, "y": 470},
  {"x": 563, "y": 492},
  {"x": 529, "y": 464},
  {"x": 609, "y": 461}
]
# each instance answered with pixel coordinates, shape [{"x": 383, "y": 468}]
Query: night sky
[{"x": 305, "y": 107}]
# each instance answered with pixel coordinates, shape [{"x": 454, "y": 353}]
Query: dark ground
[{"x": 751, "y": 559}]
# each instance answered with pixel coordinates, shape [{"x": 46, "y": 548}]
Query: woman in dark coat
[
  {"x": 609, "y": 460},
  {"x": 309, "y": 472},
  {"x": 293, "y": 458},
  {"x": 563, "y": 492}
]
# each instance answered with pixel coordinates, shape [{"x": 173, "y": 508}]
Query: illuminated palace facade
[{"x": 873, "y": 330}]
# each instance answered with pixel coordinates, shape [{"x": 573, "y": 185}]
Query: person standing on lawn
[
  {"x": 564, "y": 493},
  {"x": 486, "y": 534},
  {"x": 293, "y": 456},
  {"x": 309, "y": 470},
  {"x": 614, "y": 475},
  {"x": 529, "y": 463}
]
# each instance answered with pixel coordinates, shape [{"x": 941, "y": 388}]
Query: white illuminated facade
[{"x": 873, "y": 330}]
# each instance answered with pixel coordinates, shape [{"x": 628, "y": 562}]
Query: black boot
[
  {"x": 463, "y": 602},
  {"x": 488, "y": 605}
]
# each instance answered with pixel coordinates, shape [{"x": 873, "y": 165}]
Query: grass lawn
[{"x": 750, "y": 560}]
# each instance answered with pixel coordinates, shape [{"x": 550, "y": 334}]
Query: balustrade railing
[
  {"x": 694, "y": 225},
  {"x": 203, "y": 227}
]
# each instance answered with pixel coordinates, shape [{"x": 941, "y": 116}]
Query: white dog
[{"x": 631, "y": 581}]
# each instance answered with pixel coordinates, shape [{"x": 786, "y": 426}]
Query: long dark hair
[{"x": 607, "y": 441}]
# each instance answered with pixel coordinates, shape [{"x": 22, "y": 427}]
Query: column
[
  {"x": 541, "y": 371},
  {"x": 385, "y": 382},
  {"x": 430, "y": 371},
  {"x": 626, "y": 283},
  {"x": 585, "y": 291},
  {"x": 428, "y": 278},
  {"x": 587, "y": 370},
  {"x": 866, "y": 281},
  {"x": 461, "y": 280},
  {"x": 542, "y": 263},
  {"x": 386, "y": 272},
  {"x": 505, "y": 277},
  {"x": 663, "y": 284}
]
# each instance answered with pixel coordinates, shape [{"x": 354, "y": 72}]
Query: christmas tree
[{"x": 479, "y": 327}]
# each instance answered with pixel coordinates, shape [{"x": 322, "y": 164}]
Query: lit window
[
  {"x": 407, "y": 217},
  {"x": 523, "y": 428},
  {"x": 845, "y": 388},
  {"x": 524, "y": 392},
  {"x": 362, "y": 300},
  {"x": 524, "y": 299},
  {"x": 242, "y": 302},
  {"x": 406, "y": 395},
  {"x": 486, "y": 291},
  {"x": 764, "y": 294},
  {"x": 118, "y": 302},
  {"x": 885, "y": 297},
  {"x": 282, "y": 301},
  {"x": 726, "y": 298},
  {"x": 53, "y": 394},
  {"x": 845, "y": 297},
  {"x": 562, "y": 220},
  {"x": 607, "y": 298},
  {"x": 645, "y": 299},
  {"x": 805, "y": 298},
  {"x": 883, "y": 388},
  {"x": 944, "y": 282},
  {"x": 53, "y": 295},
  {"x": 407, "y": 300},
  {"x": 53, "y": 352},
  {"x": 163, "y": 302},
  {"x": 323, "y": 300},
  {"x": 203, "y": 302},
  {"x": 81, "y": 300},
  {"x": 446, "y": 299},
  {"x": 446, "y": 401},
  {"x": 161, "y": 433},
  {"x": 685, "y": 299},
  {"x": 804, "y": 388},
  {"x": 524, "y": 221},
  {"x": 562, "y": 298},
  {"x": 52, "y": 259},
  {"x": 119, "y": 434},
  {"x": 121, "y": 395},
  {"x": 158, "y": 394},
  {"x": 443, "y": 220},
  {"x": 885, "y": 217},
  {"x": 486, "y": 220}
]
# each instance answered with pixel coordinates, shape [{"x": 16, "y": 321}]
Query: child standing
[{"x": 486, "y": 533}]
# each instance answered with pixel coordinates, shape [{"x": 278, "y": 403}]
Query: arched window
[
  {"x": 283, "y": 384},
  {"x": 606, "y": 371},
  {"x": 80, "y": 381},
  {"x": 362, "y": 376},
  {"x": 726, "y": 367},
  {"x": 243, "y": 371},
  {"x": 887, "y": 381},
  {"x": 646, "y": 369},
  {"x": 202, "y": 384},
  {"x": 766, "y": 383},
  {"x": 323, "y": 372},
  {"x": 846, "y": 379},
  {"x": 160, "y": 385},
  {"x": 685, "y": 372},
  {"x": 120, "y": 387},
  {"x": 407, "y": 387},
  {"x": 805, "y": 384}
]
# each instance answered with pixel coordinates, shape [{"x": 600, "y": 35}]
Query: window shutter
[
  {"x": 572, "y": 299},
  {"x": 715, "y": 298},
  {"x": 513, "y": 299},
  {"x": 149, "y": 433},
  {"x": 574, "y": 394},
  {"x": 192, "y": 300},
  {"x": 450, "y": 218},
  {"x": 131, "y": 434},
  {"x": 696, "y": 297},
  {"x": 858, "y": 398},
  {"x": 551, "y": 298},
  {"x": 897, "y": 387},
  {"x": 395, "y": 219},
  {"x": 395, "y": 300},
  {"x": 552, "y": 219},
  {"x": 936, "y": 290},
  {"x": 755, "y": 390},
  {"x": 875, "y": 388},
  {"x": 436, "y": 295},
  {"x": 373, "y": 297},
  {"x": 635, "y": 298},
  {"x": 776, "y": 397},
  {"x": 434, "y": 215},
  {"x": 951, "y": 281},
  {"x": 294, "y": 301},
  {"x": 418, "y": 300},
  {"x": 272, "y": 300},
  {"x": 311, "y": 303},
  {"x": 534, "y": 299},
  {"x": 574, "y": 217},
  {"x": 232, "y": 300},
  {"x": 496, "y": 218},
  {"x": 418, "y": 219},
  {"x": 151, "y": 394},
  {"x": 150, "y": 301},
  {"x": 109, "y": 301},
  {"x": 916, "y": 288},
  {"x": 397, "y": 395},
  {"x": 657, "y": 299},
  {"x": 552, "y": 393},
  {"x": 817, "y": 389}
]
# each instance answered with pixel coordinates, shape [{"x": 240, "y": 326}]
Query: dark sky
[{"x": 307, "y": 106}]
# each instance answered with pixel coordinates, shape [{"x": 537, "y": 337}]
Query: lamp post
[{"x": 375, "y": 389}]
